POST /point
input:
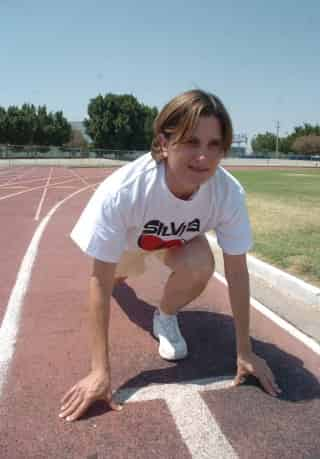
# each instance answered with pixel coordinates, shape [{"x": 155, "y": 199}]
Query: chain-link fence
[{"x": 45, "y": 152}]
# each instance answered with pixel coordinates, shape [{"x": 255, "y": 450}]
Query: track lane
[
  {"x": 52, "y": 354},
  {"x": 18, "y": 225},
  {"x": 16, "y": 232}
]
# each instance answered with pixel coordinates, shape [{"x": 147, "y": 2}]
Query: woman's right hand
[{"x": 95, "y": 386}]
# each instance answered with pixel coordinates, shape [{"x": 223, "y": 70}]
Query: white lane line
[
  {"x": 43, "y": 196},
  {"x": 198, "y": 427},
  {"x": 15, "y": 187},
  {"x": 85, "y": 182},
  {"x": 63, "y": 187},
  {"x": 17, "y": 177},
  {"x": 4, "y": 170},
  {"x": 7, "y": 174},
  {"x": 27, "y": 182},
  {"x": 11, "y": 321},
  {"x": 7, "y": 196},
  {"x": 7, "y": 178},
  {"x": 291, "y": 329},
  {"x": 195, "y": 422},
  {"x": 157, "y": 391}
]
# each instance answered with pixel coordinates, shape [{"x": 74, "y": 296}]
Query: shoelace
[{"x": 172, "y": 328}]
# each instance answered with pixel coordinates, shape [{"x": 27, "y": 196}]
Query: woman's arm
[{"x": 97, "y": 385}]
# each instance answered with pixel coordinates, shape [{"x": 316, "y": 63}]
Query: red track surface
[{"x": 52, "y": 353}]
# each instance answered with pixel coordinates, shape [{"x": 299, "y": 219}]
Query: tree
[
  {"x": 42, "y": 126},
  {"x": 264, "y": 142},
  {"x": 61, "y": 129},
  {"x": 267, "y": 142},
  {"x": 308, "y": 144},
  {"x": 306, "y": 129},
  {"x": 20, "y": 124},
  {"x": 285, "y": 145},
  {"x": 29, "y": 115},
  {"x": 119, "y": 122},
  {"x": 51, "y": 128},
  {"x": 3, "y": 125},
  {"x": 301, "y": 131}
]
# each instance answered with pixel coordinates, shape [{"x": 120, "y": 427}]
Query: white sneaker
[{"x": 172, "y": 344}]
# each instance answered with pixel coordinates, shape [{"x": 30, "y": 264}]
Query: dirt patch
[{"x": 279, "y": 216}]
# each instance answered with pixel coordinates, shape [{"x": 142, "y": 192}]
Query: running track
[{"x": 172, "y": 410}]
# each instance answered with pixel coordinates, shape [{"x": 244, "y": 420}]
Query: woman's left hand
[{"x": 252, "y": 364}]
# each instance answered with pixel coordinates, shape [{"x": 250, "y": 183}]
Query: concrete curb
[
  {"x": 290, "y": 328},
  {"x": 287, "y": 301},
  {"x": 275, "y": 278},
  {"x": 285, "y": 282}
]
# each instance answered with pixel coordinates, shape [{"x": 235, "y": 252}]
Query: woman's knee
[
  {"x": 201, "y": 270},
  {"x": 195, "y": 259}
]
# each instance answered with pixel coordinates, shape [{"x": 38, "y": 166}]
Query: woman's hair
[{"x": 179, "y": 117}]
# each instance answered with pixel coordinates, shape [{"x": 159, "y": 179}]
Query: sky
[{"x": 260, "y": 58}]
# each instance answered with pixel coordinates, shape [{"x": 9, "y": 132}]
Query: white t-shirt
[{"x": 134, "y": 209}]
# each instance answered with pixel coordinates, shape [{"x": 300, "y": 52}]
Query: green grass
[{"x": 284, "y": 208}]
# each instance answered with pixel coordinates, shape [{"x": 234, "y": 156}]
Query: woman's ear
[{"x": 163, "y": 141}]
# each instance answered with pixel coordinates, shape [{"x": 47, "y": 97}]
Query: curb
[
  {"x": 291, "y": 288},
  {"x": 290, "y": 328},
  {"x": 281, "y": 281},
  {"x": 284, "y": 282}
]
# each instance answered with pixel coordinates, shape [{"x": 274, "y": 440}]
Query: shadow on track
[{"x": 212, "y": 353}]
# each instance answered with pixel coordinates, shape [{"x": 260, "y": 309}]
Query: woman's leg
[
  {"x": 131, "y": 264},
  {"x": 192, "y": 266},
  {"x": 119, "y": 280}
]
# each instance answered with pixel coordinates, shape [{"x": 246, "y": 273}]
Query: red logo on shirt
[
  {"x": 150, "y": 238},
  {"x": 147, "y": 242}
]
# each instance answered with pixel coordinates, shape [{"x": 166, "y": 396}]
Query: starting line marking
[{"x": 195, "y": 422}]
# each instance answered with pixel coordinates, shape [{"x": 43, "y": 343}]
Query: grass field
[{"x": 284, "y": 208}]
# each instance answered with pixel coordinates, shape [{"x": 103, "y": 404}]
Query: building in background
[{"x": 239, "y": 146}]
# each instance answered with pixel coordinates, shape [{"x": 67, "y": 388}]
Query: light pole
[{"x": 277, "y": 139}]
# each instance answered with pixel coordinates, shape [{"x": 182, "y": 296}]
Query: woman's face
[{"x": 191, "y": 163}]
